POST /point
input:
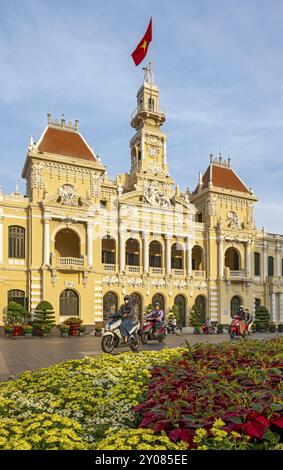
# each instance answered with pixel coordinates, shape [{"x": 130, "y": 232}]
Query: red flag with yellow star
[{"x": 140, "y": 52}]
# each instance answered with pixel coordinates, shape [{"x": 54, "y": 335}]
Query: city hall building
[{"x": 82, "y": 241}]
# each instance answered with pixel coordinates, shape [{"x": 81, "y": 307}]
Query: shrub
[
  {"x": 73, "y": 321},
  {"x": 280, "y": 328},
  {"x": 149, "y": 309},
  {"x": 195, "y": 317},
  {"x": 175, "y": 312},
  {"x": 16, "y": 313},
  {"x": 44, "y": 316},
  {"x": 272, "y": 327},
  {"x": 262, "y": 319},
  {"x": 220, "y": 328}
]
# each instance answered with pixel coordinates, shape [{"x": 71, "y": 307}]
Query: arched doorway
[
  {"x": 160, "y": 299},
  {"x": 67, "y": 244},
  {"x": 180, "y": 301},
  {"x": 200, "y": 302},
  {"x": 137, "y": 303},
  {"x": 232, "y": 259},
  {"x": 110, "y": 304},
  {"x": 69, "y": 303},
  {"x": 236, "y": 301}
]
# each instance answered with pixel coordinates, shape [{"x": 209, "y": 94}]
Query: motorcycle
[
  {"x": 112, "y": 337},
  {"x": 171, "y": 328},
  {"x": 147, "y": 331},
  {"x": 234, "y": 329},
  {"x": 208, "y": 329}
]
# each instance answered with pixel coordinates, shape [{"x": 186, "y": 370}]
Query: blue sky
[{"x": 218, "y": 64}]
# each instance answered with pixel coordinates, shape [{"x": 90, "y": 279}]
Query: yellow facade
[{"x": 82, "y": 241}]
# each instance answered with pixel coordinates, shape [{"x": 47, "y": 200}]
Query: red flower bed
[{"x": 238, "y": 383}]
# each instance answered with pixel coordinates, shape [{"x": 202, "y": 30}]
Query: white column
[
  {"x": 122, "y": 249},
  {"x": 248, "y": 257},
  {"x": 1, "y": 239},
  {"x": 278, "y": 260},
  {"x": 164, "y": 151},
  {"x": 168, "y": 254},
  {"x": 220, "y": 257},
  {"x": 189, "y": 258},
  {"x": 142, "y": 145},
  {"x": 46, "y": 260},
  {"x": 145, "y": 252},
  {"x": 281, "y": 308},
  {"x": 273, "y": 306},
  {"x": 89, "y": 243},
  {"x": 265, "y": 262}
]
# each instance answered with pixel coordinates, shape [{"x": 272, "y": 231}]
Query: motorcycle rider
[
  {"x": 127, "y": 313},
  {"x": 159, "y": 315},
  {"x": 241, "y": 315},
  {"x": 248, "y": 320}
]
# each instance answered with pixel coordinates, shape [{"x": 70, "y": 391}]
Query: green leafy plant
[
  {"x": 272, "y": 327},
  {"x": 175, "y": 311},
  {"x": 280, "y": 328},
  {"x": 262, "y": 319},
  {"x": 16, "y": 313},
  {"x": 220, "y": 328},
  {"x": 82, "y": 329},
  {"x": 44, "y": 316},
  {"x": 76, "y": 321},
  {"x": 195, "y": 318}
]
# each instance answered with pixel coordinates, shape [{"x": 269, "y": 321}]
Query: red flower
[
  {"x": 182, "y": 434},
  {"x": 278, "y": 421}
]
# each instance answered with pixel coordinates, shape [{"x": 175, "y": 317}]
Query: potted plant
[
  {"x": 272, "y": 327},
  {"x": 64, "y": 329},
  {"x": 74, "y": 324},
  {"x": 98, "y": 331},
  {"x": 8, "y": 331},
  {"x": 195, "y": 319},
  {"x": 280, "y": 328},
  {"x": 262, "y": 319},
  {"x": 27, "y": 330},
  {"x": 82, "y": 330},
  {"x": 43, "y": 318},
  {"x": 220, "y": 328},
  {"x": 46, "y": 330}
]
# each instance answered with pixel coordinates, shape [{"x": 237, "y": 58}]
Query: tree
[
  {"x": 44, "y": 317},
  {"x": 16, "y": 313},
  {"x": 262, "y": 319},
  {"x": 175, "y": 311},
  {"x": 195, "y": 318}
]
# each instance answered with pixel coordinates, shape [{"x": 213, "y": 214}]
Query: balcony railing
[
  {"x": 199, "y": 274},
  {"x": 109, "y": 267},
  {"x": 240, "y": 273},
  {"x": 147, "y": 109},
  {"x": 70, "y": 261},
  {"x": 133, "y": 269},
  {"x": 178, "y": 272},
  {"x": 155, "y": 270}
]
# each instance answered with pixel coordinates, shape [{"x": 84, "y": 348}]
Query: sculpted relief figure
[
  {"x": 154, "y": 195},
  {"x": 67, "y": 196},
  {"x": 233, "y": 220}
]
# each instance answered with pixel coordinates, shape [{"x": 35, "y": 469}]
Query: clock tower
[{"x": 148, "y": 145}]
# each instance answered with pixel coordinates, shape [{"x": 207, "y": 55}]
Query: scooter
[
  {"x": 234, "y": 329},
  {"x": 208, "y": 329},
  {"x": 112, "y": 337},
  {"x": 147, "y": 331},
  {"x": 172, "y": 328}
]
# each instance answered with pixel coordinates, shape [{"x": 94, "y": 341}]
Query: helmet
[{"x": 157, "y": 304}]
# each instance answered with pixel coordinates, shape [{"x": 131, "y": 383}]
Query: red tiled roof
[
  {"x": 64, "y": 142},
  {"x": 224, "y": 177}
]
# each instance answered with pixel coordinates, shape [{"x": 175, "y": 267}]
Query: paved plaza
[{"x": 20, "y": 354}]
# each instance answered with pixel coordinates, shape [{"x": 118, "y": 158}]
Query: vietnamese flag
[{"x": 140, "y": 52}]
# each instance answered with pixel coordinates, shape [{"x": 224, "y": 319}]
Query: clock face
[{"x": 152, "y": 151}]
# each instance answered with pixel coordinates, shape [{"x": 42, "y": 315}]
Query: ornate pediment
[
  {"x": 157, "y": 194},
  {"x": 67, "y": 196}
]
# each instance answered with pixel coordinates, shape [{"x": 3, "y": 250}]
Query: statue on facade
[{"x": 148, "y": 74}]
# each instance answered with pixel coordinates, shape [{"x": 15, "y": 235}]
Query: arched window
[
  {"x": 232, "y": 259},
  {"x": 177, "y": 253},
  {"x": 270, "y": 266},
  {"x": 160, "y": 299},
  {"x": 110, "y": 304},
  {"x": 108, "y": 250},
  {"x": 235, "y": 304},
  {"x": 155, "y": 254},
  {"x": 18, "y": 296},
  {"x": 151, "y": 104},
  {"x": 197, "y": 258},
  {"x": 180, "y": 301},
  {"x": 16, "y": 242},
  {"x": 257, "y": 264},
  {"x": 132, "y": 252},
  {"x": 200, "y": 302},
  {"x": 69, "y": 303}
]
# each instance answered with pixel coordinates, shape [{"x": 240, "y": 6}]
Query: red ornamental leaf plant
[{"x": 238, "y": 383}]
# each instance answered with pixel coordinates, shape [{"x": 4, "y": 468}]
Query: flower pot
[
  {"x": 28, "y": 335},
  {"x": 9, "y": 335},
  {"x": 64, "y": 334},
  {"x": 74, "y": 330},
  {"x": 17, "y": 331},
  {"x": 98, "y": 333}
]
